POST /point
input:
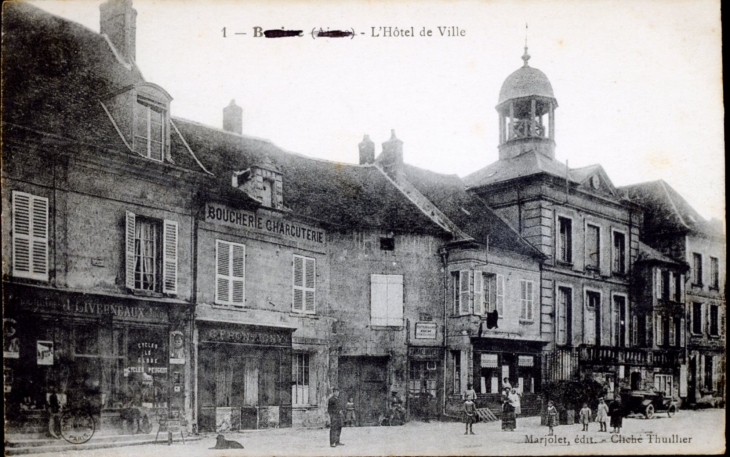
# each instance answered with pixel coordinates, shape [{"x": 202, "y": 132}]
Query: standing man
[{"x": 335, "y": 413}]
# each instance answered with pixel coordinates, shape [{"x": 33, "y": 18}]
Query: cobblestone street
[{"x": 689, "y": 432}]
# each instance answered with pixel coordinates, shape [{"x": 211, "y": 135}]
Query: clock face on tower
[{"x": 595, "y": 181}]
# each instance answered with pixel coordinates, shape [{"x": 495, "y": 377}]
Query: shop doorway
[{"x": 365, "y": 380}]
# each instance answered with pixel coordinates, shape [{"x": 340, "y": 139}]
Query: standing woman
[
  {"x": 509, "y": 420},
  {"x": 616, "y": 411}
]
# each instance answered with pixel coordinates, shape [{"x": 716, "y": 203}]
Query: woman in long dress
[
  {"x": 509, "y": 406},
  {"x": 616, "y": 411}
]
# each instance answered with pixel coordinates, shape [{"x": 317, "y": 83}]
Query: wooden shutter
[
  {"x": 464, "y": 292},
  {"x": 298, "y": 301},
  {"x": 309, "y": 285},
  {"x": 589, "y": 318},
  {"x": 378, "y": 300},
  {"x": 238, "y": 274},
  {"x": 659, "y": 330},
  {"x": 30, "y": 236},
  {"x": 523, "y": 299},
  {"x": 222, "y": 273},
  {"x": 500, "y": 295},
  {"x": 530, "y": 299},
  {"x": 169, "y": 257},
  {"x": 682, "y": 333},
  {"x": 659, "y": 283},
  {"x": 478, "y": 292},
  {"x": 395, "y": 300},
  {"x": 562, "y": 320},
  {"x": 129, "y": 254}
]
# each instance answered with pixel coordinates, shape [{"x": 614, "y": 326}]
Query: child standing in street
[
  {"x": 552, "y": 416},
  {"x": 469, "y": 411},
  {"x": 602, "y": 414},
  {"x": 585, "y": 416},
  {"x": 350, "y": 413}
]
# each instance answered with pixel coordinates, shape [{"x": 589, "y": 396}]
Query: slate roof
[
  {"x": 667, "y": 212},
  {"x": 649, "y": 255},
  {"x": 339, "y": 194},
  {"x": 55, "y": 72},
  {"x": 469, "y": 212},
  {"x": 526, "y": 164}
]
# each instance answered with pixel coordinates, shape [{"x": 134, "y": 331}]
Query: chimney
[
  {"x": 367, "y": 151},
  {"x": 391, "y": 158},
  {"x": 119, "y": 23},
  {"x": 233, "y": 118}
]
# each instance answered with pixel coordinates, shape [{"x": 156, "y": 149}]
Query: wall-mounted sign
[
  {"x": 426, "y": 330},
  {"x": 264, "y": 224},
  {"x": 488, "y": 360},
  {"x": 424, "y": 353},
  {"x": 177, "y": 346},
  {"x": 11, "y": 343},
  {"x": 246, "y": 337},
  {"x": 44, "y": 350}
]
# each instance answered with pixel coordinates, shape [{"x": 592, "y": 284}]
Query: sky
[{"x": 638, "y": 84}]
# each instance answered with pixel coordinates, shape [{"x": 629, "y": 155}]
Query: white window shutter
[
  {"x": 395, "y": 300},
  {"x": 169, "y": 257},
  {"x": 30, "y": 236},
  {"x": 500, "y": 295},
  {"x": 464, "y": 292},
  {"x": 222, "y": 272},
  {"x": 129, "y": 250},
  {"x": 682, "y": 333},
  {"x": 21, "y": 234},
  {"x": 309, "y": 285},
  {"x": 478, "y": 292},
  {"x": 238, "y": 273},
  {"x": 530, "y": 299},
  {"x": 658, "y": 283},
  {"x": 298, "y": 301},
  {"x": 378, "y": 300}
]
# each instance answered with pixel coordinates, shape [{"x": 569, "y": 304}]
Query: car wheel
[
  {"x": 649, "y": 411},
  {"x": 672, "y": 410}
]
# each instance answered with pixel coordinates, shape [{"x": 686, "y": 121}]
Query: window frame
[
  {"x": 698, "y": 321},
  {"x": 714, "y": 273},
  {"x": 566, "y": 245},
  {"x": 31, "y": 237},
  {"x": 628, "y": 322},
  {"x": 305, "y": 370},
  {"x": 597, "y": 310},
  {"x": 713, "y": 327},
  {"x": 697, "y": 272},
  {"x": 527, "y": 300},
  {"x": 589, "y": 226},
  {"x": 614, "y": 254},
  {"x": 231, "y": 246},
  {"x": 303, "y": 287},
  {"x": 166, "y": 257},
  {"x": 568, "y": 315},
  {"x": 150, "y": 105}
]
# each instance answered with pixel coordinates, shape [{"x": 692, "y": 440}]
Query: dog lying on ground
[{"x": 222, "y": 443}]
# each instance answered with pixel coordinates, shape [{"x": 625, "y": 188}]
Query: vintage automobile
[{"x": 647, "y": 403}]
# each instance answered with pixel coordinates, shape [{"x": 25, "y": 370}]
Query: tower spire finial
[{"x": 526, "y": 56}]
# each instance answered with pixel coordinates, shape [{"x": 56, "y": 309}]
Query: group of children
[{"x": 602, "y": 414}]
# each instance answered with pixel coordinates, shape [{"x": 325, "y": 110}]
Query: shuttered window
[
  {"x": 230, "y": 273},
  {"x": 30, "y": 236},
  {"x": 386, "y": 300},
  {"x": 527, "y": 299},
  {"x": 304, "y": 285},
  {"x": 500, "y": 295},
  {"x": 151, "y": 259},
  {"x": 479, "y": 292}
]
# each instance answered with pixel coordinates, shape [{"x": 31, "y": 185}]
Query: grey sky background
[{"x": 639, "y": 84}]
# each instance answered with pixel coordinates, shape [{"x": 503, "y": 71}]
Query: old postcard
[{"x": 357, "y": 227}]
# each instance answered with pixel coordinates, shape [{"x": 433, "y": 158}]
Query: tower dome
[{"x": 526, "y": 113}]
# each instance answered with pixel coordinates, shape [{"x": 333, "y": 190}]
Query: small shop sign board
[{"x": 426, "y": 330}]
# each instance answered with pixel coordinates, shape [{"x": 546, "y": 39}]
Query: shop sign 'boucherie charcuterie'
[{"x": 263, "y": 224}]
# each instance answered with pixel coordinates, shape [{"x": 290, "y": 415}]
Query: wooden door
[{"x": 364, "y": 379}]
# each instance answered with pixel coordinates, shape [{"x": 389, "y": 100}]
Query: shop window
[
  {"x": 149, "y": 135},
  {"x": 663, "y": 383},
  {"x": 30, "y": 236},
  {"x": 697, "y": 326},
  {"x": 593, "y": 247},
  {"x": 565, "y": 240},
  {"x": 714, "y": 273},
  {"x": 151, "y": 254},
  {"x": 619, "y": 252},
  {"x": 696, "y": 269},
  {"x": 564, "y": 315},
  {"x": 300, "y": 379},
  {"x": 230, "y": 273},
  {"x": 527, "y": 299},
  {"x": 304, "y": 285},
  {"x": 490, "y": 374},
  {"x": 386, "y": 300},
  {"x": 714, "y": 320},
  {"x": 86, "y": 340},
  {"x": 422, "y": 378}
]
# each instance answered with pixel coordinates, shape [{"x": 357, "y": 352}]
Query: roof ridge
[{"x": 671, "y": 201}]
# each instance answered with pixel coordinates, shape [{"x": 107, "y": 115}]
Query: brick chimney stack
[
  {"x": 391, "y": 159},
  {"x": 367, "y": 151},
  {"x": 119, "y": 23},
  {"x": 233, "y": 118}
]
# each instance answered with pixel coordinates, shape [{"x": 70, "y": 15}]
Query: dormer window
[
  {"x": 149, "y": 132},
  {"x": 268, "y": 193}
]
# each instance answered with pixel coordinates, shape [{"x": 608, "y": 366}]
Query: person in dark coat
[
  {"x": 336, "y": 418},
  {"x": 616, "y": 412}
]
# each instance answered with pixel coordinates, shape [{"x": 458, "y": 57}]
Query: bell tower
[{"x": 526, "y": 113}]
